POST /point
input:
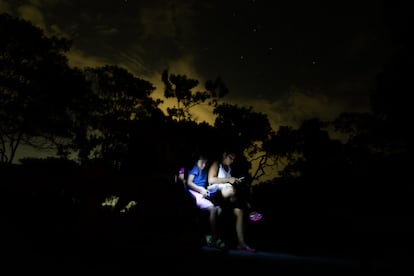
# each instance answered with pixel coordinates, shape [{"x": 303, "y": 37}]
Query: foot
[
  {"x": 218, "y": 244},
  {"x": 246, "y": 248}
]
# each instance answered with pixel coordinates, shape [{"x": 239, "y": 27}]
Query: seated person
[
  {"x": 197, "y": 184},
  {"x": 220, "y": 179}
]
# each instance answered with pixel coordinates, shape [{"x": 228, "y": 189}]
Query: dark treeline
[{"x": 110, "y": 137}]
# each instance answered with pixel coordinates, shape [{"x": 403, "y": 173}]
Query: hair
[
  {"x": 226, "y": 153},
  {"x": 202, "y": 157}
]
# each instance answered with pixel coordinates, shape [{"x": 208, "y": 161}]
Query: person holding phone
[{"x": 222, "y": 192}]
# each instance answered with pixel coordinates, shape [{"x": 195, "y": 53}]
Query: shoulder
[
  {"x": 194, "y": 170},
  {"x": 214, "y": 167},
  {"x": 215, "y": 164}
]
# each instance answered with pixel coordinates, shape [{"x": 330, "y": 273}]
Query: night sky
[{"x": 292, "y": 60}]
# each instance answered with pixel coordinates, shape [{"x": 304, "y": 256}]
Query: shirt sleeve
[{"x": 193, "y": 171}]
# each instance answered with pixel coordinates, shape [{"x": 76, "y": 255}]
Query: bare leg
[
  {"x": 213, "y": 224},
  {"x": 228, "y": 191},
  {"x": 239, "y": 226},
  {"x": 214, "y": 240},
  {"x": 240, "y": 230}
]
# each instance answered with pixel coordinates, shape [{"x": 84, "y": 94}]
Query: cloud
[
  {"x": 33, "y": 14},
  {"x": 170, "y": 20},
  {"x": 78, "y": 58},
  {"x": 183, "y": 66},
  {"x": 106, "y": 30},
  {"x": 146, "y": 37},
  {"x": 5, "y": 7},
  {"x": 296, "y": 106},
  {"x": 32, "y": 11}
]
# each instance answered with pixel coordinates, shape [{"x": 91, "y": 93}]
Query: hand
[
  {"x": 232, "y": 180},
  {"x": 204, "y": 193},
  {"x": 240, "y": 179}
]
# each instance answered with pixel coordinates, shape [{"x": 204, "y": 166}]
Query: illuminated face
[
  {"x": 202, "y": 164},
  {"x": 229, "y": 159}
]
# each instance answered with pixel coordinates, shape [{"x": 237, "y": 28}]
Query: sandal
[{"x": 246, "y": 249}]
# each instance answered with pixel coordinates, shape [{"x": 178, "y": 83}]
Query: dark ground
[
  {"x": 24, "y": 253},
  {"x": 65, "y": 240}
]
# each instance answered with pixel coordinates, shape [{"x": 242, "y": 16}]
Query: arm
[
  {"x": 194, "y": 186},
  {"x": 213, "y": 175}
]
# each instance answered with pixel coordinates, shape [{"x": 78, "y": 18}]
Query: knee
[
  {"x": 238, "y": 212},
  {"x": 218, "y": 210}
]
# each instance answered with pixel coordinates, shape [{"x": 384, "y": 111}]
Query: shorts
[
  {"x": 228, "y": 202},
  {"x": 201, "y": 201}
]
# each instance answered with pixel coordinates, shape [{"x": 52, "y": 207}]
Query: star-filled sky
[{"x": 292, "y": 60}]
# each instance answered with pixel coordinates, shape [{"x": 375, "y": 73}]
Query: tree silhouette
[
  {"x": 37, "y": 88},
  {"x": 180, "y": 87},
  {"x": 244, "y": 129},
  {"x": 117, "y": 100}
]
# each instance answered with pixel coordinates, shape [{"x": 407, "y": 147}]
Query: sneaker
[
  {"x": 209, "y": 240},
  {"x": 218, "y": 244}
]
